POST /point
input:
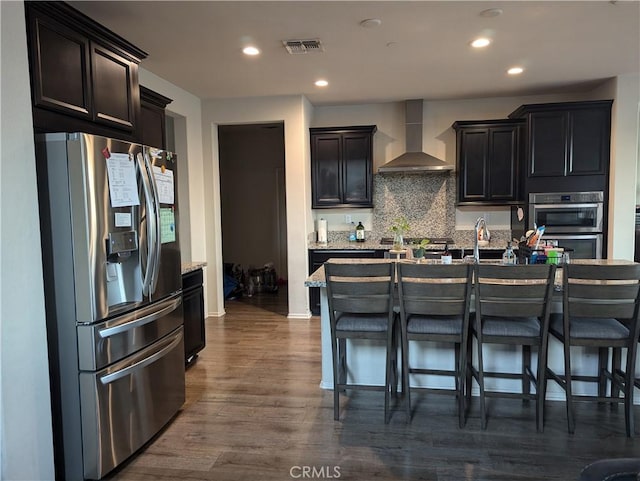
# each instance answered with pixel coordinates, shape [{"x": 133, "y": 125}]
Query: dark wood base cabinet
[
  {"x": 317, "y": 257},
  {"x": 193, "y": 307}
]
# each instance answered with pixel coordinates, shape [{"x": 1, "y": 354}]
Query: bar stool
[
  {"x": 600, "y": 309},
  {"x": 360, "y": 299},
  {"x": 434, "y": 306},
  {"x": 512, "y": 306},
  {"x": 620, "y": 469}
]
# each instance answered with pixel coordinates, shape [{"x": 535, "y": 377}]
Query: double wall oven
[{"x": 574, "y": 219}]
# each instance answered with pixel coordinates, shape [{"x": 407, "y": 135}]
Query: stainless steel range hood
[{"x": 414, "y": 160}]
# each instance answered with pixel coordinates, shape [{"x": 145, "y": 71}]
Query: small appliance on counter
[{"x": 322, "y": 231}]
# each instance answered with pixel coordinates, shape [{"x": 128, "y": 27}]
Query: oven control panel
[{"x": 566, "y": 197}]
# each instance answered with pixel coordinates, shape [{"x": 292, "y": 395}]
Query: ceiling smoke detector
[{"x": 295, "y": 47}]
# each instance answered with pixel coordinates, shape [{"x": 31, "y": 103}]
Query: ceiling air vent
[{"x": 295, "y": 47}]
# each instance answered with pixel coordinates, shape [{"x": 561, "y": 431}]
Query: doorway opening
[{"x": 253, "y": 213}]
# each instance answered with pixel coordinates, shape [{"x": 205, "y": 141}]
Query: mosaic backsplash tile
[{"x": 427, "y": 201}]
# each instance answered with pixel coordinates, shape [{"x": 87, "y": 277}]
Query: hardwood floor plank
[{"x": 254, "y": 411}]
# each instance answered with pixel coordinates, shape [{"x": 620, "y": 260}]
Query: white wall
[
  {"x": 26, "y": 442},
  {"x": 188, "y": 110},
  {"x": 625, "y": 90},
  {"x": 294, "y": 112}
]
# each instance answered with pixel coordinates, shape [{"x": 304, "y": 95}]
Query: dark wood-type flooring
[{"x": 254, "y": 411}]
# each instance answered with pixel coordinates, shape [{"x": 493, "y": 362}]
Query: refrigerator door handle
[
  {"x": 151, "y": 230},
  {"x": 109, "y": 378},
  {"x": 158, "y": 227},
  {"x": 127, "y": 325}
]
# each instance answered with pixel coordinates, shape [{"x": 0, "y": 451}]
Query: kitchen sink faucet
[{"x": 480, "y": 224}]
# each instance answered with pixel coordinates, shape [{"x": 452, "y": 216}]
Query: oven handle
[{"x": 597, "y": 205}]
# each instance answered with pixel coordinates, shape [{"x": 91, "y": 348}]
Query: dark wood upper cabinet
[
  {"x": 153, "y": 118},
  {"x": 488, "y": 158},
  {"x": 115, "y": 82},
  {"x": 60, "y": 50},
  {"x": 342, "y": 166},
  {"x": 83, "y": 76},
  {"x": 567, "y": 145}
]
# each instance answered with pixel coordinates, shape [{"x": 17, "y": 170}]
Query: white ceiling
[{"x": 421, "y": 49}]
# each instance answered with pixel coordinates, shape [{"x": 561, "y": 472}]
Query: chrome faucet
[{"x": 480, "y": 224}]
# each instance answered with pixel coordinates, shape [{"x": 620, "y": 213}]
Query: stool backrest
[
  {"x": 601, "y": 291},
  {"x": 360, "y": 288},
  {"x": 434, "y": 289},
  {"x": 514, "y": 290}
]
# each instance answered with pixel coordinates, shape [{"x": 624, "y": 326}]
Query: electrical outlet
[{"x": 347, "y": 219}]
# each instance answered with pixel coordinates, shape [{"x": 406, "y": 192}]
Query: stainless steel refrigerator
[{"x": 113, "y": 293}]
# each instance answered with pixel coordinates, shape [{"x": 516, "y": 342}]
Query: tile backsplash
[{"x": 426, "y": 200}]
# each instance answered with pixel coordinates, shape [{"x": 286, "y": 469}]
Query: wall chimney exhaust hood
[{"x": 414, "y": 160}]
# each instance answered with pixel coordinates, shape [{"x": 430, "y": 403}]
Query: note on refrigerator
[
  {"x": 123, "y": 188},
  {"x": 164, "y": 182},
  {"x": 167, "y": 225}
]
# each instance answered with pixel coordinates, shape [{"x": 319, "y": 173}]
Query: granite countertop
[
  {"x": 192, "y": 266},
  {"x": 375, "y": 244},
  {"x": 317, "y": 278},
  {"x": 462, "y": 239}
]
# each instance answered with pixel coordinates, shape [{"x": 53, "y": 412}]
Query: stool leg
[
  {"x": 388, "y": 376},
  {"x": 567, "y": 377},
  {"x": 603, "y": 361},
  {"x": 629, "y": 376},
  {"x": 526, "y": 367},
  {"x": 483, "y": 411},
  {"x": 541, "y": 386},
  {"x": 469, "y": 372},
  {"x": 461, "y": 375},
  {"x": 457, "y": 364},
  {"x": 336, "y": 381},
  {"x": 393, "y": 378},
  {"x": 616, "y": 363},
  {"x": 406, "y": 388}
]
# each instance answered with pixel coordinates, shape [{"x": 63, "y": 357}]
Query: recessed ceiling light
[
  {"x": 491, "y": 12},
  {"x": 250, "y": 50},
  {"x": 515, "y": 70},
  {"x": 480, "y": 42},
  {"x": 321, "y": 83},
  {"x": 371, "y": 23}
]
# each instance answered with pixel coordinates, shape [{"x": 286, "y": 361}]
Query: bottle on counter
[
  {"x": 446, "y": 255},
  {"x": 360, "y": 232},
  {"x": 509, "y": 257},
  {"x": 352, "y": 233}
]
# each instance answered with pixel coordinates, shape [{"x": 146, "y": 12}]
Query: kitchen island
[
  {"x": 460, "y": 245},
  {"x": 367, "y": 358}
]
